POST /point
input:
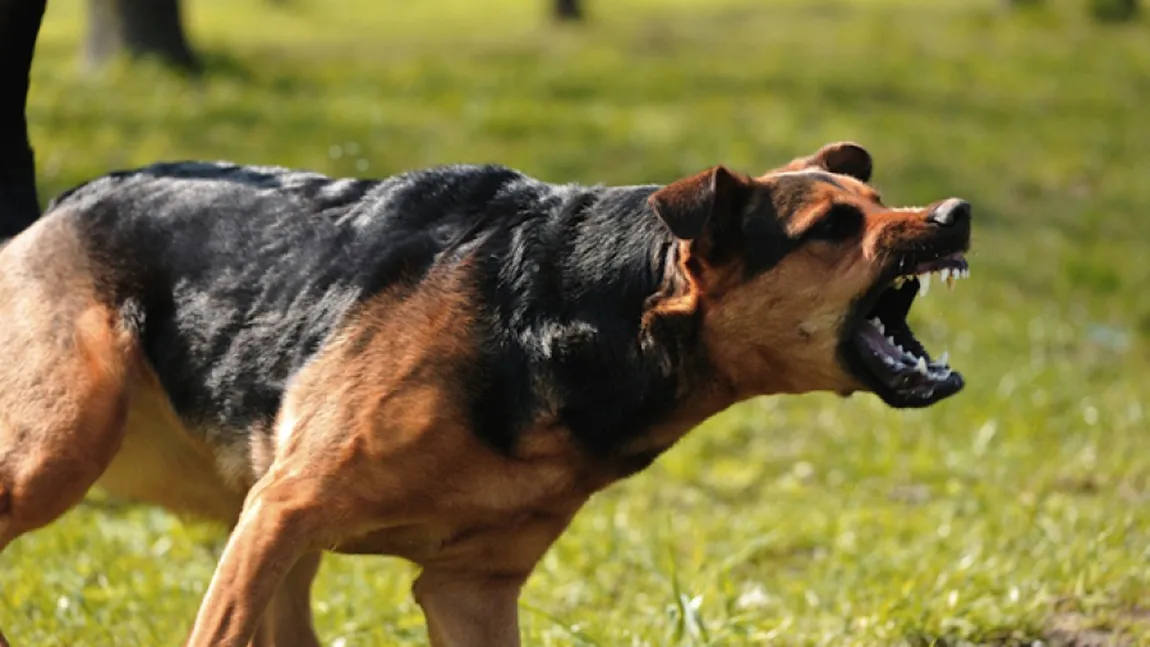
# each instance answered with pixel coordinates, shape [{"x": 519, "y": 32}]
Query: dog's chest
[{"x": 498, "y": 514}]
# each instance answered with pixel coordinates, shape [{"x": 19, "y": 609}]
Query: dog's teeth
[
  {"x": 944, "y": 359},
  {"x": 891, "y": 340},
  {"x": 966, "y": 273},
  {"x": 920, "y": 365},
  {"x": 944, "y": 274},
  {"x": 924, "y": 284},
  {"x": 878, "y": 324}
]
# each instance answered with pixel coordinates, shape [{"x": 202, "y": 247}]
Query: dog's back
[{"x": 235, "y": 275}]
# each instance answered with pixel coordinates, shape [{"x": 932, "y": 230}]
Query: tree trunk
[
  {"x": 138, "y": 28},
  {"x": 568, "y": 9},
  {"x": 19, "y": 27}
]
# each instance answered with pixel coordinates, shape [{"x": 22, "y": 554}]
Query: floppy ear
[
  {"x": 689, "y": 205},
  {"x": 844, "y": 158}
]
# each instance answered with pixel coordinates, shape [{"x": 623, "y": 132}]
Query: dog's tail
[{"x": 19, "y": 28}]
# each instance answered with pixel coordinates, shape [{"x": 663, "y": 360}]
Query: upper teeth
[{"x": 947, "y": 275}]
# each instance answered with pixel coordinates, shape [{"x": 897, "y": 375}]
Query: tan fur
[
  {"x": 62, "y": 410},
  {"x": 156, "y": 448}
]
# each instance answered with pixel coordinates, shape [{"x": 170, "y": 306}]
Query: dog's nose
[{"x": 951, "y": 212}]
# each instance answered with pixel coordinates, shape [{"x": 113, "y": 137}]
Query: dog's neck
[
  {"x": 672, "y": 327},
  {"x": 649, "y": 276},
  {"x": 602, "y": 324}
]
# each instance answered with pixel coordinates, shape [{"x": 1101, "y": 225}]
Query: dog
[{"x": 443, "y": 365}]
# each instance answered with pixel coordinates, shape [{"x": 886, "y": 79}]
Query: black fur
[
  {"x": 235, "y": 276},
  {"x": 19, "y": 28}
]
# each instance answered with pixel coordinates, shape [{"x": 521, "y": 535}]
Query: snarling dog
[{"x": 443, "y": 365}]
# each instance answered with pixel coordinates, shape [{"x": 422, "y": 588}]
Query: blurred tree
[
  {"x": 569, "y": 9},
  {"x": 138, "y": 28},
  {"x": 1108, "y": 10},
  {"x": 19, "y": 27},
  {"x": 1118, "y": 10}
]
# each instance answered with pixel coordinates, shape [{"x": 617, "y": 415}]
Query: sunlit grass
[{"x": 1017, "y": 509}]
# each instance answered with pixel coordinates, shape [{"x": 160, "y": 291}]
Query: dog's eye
[{"x": 840, "y": 222}]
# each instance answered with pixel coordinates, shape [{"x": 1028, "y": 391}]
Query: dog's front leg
[
  {"x": 470, "y": 592},
  {"x": 280, "y": 523},
  {"x": 468, "y": 609}
]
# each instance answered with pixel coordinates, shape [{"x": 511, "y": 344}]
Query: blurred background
[{"x": 1016, "y": 513}]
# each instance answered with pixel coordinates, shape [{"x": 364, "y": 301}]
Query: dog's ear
[
  {"x": 693, "y": 204},
  {"x": 844, "y": 158}
]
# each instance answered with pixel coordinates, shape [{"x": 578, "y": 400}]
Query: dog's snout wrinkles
[{"x": 951, "y": 212}]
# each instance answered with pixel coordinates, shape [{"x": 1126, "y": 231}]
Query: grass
[{"x": 1017, "y": 512}]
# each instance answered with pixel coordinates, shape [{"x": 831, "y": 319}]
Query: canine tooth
[
  {"x": 878, "y": 324},
  {"x": 944, "y": 274},
  {"x": 920, "y": 366},
  {"x": 924, "y": 285},
  {"x": 944, "y": 359},
  {"x": 891, "y": 340}
]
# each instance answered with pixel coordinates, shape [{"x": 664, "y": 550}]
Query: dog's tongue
[
  {"x": 879, "y": 351},
  {"x": 870, "y": 335}
]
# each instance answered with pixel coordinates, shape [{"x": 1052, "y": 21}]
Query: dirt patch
[{"x": 1070, "y": 629}]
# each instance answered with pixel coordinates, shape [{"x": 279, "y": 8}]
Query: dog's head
[{"x": 804, "y": 278}]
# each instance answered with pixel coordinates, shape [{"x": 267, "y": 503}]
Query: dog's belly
[{"x": 159, "y": 462}]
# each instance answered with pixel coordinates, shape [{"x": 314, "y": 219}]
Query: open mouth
[{"x": 883, "y": 350}]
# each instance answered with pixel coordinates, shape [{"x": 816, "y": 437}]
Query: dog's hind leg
[
  {"x": 64, "y": 362},
  {"x": 287, "y": 622},
  {"x": 65, "y": 358}
]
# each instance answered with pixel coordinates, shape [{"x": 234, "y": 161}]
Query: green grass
[{"x": 1017, "y": 511}]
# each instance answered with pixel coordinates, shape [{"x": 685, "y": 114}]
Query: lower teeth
[{"x": 938, "y": 369}]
